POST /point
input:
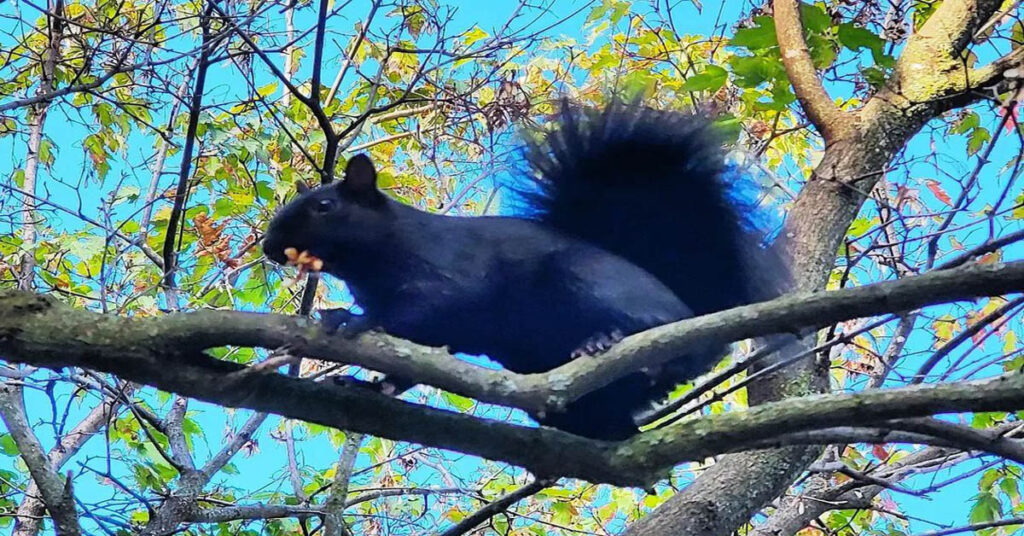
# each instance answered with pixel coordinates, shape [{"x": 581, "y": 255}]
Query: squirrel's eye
[{"x": 324, "y": 206}]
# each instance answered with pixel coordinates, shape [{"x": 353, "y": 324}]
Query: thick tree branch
[
  {"x": 334, "y": 506},
  {"x": 952, "y": 26},
  {"x": 223, "y": 514},
  {"x": 725, "y": 497},
  {"x": 28, "y": 519},
  {"x": 32, "y": 329},
  {"x": 994, "y": 75},
  {"x": 193, "y": 332},
  {"x": 932, "y": 74},
  {"x": 52, "y": 487},
  {"x": 821, "y": 109}
]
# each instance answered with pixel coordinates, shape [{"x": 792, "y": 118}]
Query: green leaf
[
  {"x": 729, "y": 127},
  {"x": 823, "y": 51},
  {"x": 988, "y": 479},
  {"x": 986, "y": 508},
  {"x": 758, "y": 37},
  {"x": 1010, "y": 486},
  {"x": 712, "y": 79},
  {"x": 619, "y": 10},
  {"x": 855, "y": 38},
  {"x": 460, "y": 403},
  {"x": 46, "y": 152},
  {"x": 978, "y": 138},
  {"x": 7, "y": 445},
  {"x": 969, "y": 121},
  {"x": 127, "y": 193},
  {"x": 815, "y": 18},
  {"x": 267, "y": 90},
  {"x": 1018, "y": 213},
  {"x": 264, "y": 191},
  {"x": 923, "y": 10},
  {"x": 473, "y": 35},
  {"x": 597, "y": 13},
  {"x": 752, "y": 71},
  {"x": 874, "y": 75},
  {"x": 860, "y": 226}
]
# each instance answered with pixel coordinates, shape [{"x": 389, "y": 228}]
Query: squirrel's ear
[
  {"x": 360, "y": 176},
  {"x": 301, "y": 187}
]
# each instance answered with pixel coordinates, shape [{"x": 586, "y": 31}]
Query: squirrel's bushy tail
[{"x": 650, "y": 186}]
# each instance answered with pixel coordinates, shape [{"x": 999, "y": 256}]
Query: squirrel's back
[{"x": 650, "y": 186}]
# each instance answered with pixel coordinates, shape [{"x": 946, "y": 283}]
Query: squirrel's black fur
[{"x": 629, "y": 226}]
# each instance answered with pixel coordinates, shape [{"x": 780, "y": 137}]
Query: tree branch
[
  {"x": 952, "y": 26},
  {"x": 821, "y": 109},
  {"x": 170, "y": 246},
  {"x": 51, "y": 486},
  {"x": 31, "y": 509},
  {"x": 975, "y": 527},
  {"x": 39, "y": 331},
  {"x": 819, "y": 497},
  {"x": 200, "y": 330},
  {"x": 932, "y": 69},
  {"x": 178, "y": 445},
  {"x": 243, "y": 436},
  {"x": 334, "y": 506},
  {"x": 496, "y": 507},
  {"x": 248, "y": 511}
]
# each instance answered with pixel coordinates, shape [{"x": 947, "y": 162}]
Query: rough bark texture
[
  {"x": 38, "y": 330},
  {"x": 54, "y": 490},
  {"x": 930, "y": 78},
  {"x": 197, "y": 331},
  {"x": 29, "y": 516}
]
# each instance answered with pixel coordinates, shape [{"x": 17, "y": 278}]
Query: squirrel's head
[{"x": 334, "y": 220}]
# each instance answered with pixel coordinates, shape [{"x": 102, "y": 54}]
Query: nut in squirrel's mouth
[{"x": 304, "y": 260}]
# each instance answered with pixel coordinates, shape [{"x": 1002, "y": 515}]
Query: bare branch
[
  {"x": 51, "y": 486},
  {"x": 248, "y": 511},
  {"x": 169, "y": 253},
  {"x": 975, "y": 527},
  {"x": 334, "y": 506},
  {"x": 31, "y": 509},
  {"x": 966, "y": 334},
  {"x": 243, "y": 436},
  {"x": 496, "y": 507},
  {"x": 821, "y": 109},
  {"x": 179, "y": 450}
]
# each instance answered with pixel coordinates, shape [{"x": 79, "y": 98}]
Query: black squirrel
[{"x": 629, "y": 224}]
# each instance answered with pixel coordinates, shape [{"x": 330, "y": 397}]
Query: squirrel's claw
[
  {"x": 598, "y": 344},
  {"x": 387, "y": 385},
  {"x": 344, "y": 323}
]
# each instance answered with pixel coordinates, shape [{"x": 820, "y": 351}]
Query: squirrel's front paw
[
  {"x": 387, "y": 385},
  {"x": 598, "y": 344},
  {"x": 332, "y": 319},
  {"x": 344, "y": 323}
]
